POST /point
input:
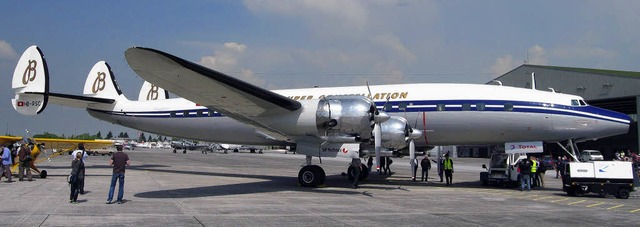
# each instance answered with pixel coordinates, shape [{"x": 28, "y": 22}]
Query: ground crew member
[
  {"x": 534, "y": 172},
  {"x": 447, "y": 164},
  {"x": 356, "y": 164},
  {"x": 426, "y": 166}
]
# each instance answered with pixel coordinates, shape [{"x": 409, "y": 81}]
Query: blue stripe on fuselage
[{"x": 431, "y": 106}]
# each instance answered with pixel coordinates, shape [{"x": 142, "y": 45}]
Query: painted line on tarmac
[
  {"x": 560, "y": 200},
  {"x": 595, "y": 204},
  {"x": 614, "y": 207},
  {"x": 546, "y": 197},
  {"x": 576, "y": 202},
  {"x": 633, "y": 211}
]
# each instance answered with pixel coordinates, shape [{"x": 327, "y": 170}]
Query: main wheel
[
  {"x": 623, "y": 193},
  {"x": 311, "y": 176},
  {"x": 43, "y": 174}
]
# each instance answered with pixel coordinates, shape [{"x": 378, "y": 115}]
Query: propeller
[{"x": 377, "y": 118}]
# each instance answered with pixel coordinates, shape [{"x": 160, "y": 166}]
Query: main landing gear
[{"x": 311, "y": 175}]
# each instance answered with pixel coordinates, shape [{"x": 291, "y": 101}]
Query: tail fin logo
[
  {"x": 153, "y": 93},
  {"x": 30, "y": 72},
  {"x": 99, "y": 82}
]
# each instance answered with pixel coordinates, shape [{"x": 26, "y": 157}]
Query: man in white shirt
[{"x": 84, "y": 159}]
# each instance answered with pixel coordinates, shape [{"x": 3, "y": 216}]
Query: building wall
[{"x": 588, "y": 85}]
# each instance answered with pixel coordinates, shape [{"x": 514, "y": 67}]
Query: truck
[
  {"x": 503, "y": 169},
  {"x": 602, "y": 177}
]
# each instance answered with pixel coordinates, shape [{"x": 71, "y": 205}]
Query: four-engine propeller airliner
[{"x": 350, "y": 121}]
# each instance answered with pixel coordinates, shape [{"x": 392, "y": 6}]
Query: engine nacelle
[
  {"x": 395, "y": 132},
  {"x": 345, "y": 116}
]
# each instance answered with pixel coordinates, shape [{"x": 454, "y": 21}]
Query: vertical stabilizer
[
  {"x": 101, "y": 83},
  {"x": 152, "y": 92},
  {"x": 30, "y": 82}
]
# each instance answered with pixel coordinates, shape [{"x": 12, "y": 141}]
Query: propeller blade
[
  {"x": 412, "y": 156},
  {"x": 377, "y": 135}
]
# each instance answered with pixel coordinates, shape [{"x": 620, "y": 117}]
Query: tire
[
  {"x": 43, "y": 174},
  {"x": 578, "y": 191},
  {"x": 235, "y": 150},
  {"x": 311, "y": 176},
  {"x": 623, "y": 193}
]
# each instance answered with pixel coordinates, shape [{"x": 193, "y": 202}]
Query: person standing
[
  {"x": 525, "y": 174},
  {"x": 24, "y": 155},
  {"x": 119, "y": 160},
  {"x": 388, "y": 163},
  {"x": 357, "y": 169},
  {"x": 447, "y": 165},
  {"x": 414, "y": 163},
  {"x": 534, "y": 172},
  {"x": 84, "y": 156},
  {"x": 77, "y": 167},
  {"x": 426, "y": 166},
  {"x": 383, "y": 165},
  {"x": 370, "y": 163},
  {"x": 6, "y": 162}
]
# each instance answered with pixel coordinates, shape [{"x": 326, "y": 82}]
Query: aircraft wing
[
  {"x": 9, "y": 139},
  {"x": 230, "y": 96}
]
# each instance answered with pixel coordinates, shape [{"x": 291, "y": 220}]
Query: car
[
  {"x": 591, "y": 155},
  {"x": 547, "y": 161},
  {"x": 102, "y": 152}
]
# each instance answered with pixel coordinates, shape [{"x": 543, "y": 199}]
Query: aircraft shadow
[{"x": 272, "y": 184}]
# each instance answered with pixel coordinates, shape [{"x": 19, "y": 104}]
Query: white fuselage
[{"x": 448, "y": 114}]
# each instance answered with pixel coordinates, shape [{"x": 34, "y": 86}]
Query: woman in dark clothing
[{"x": 77, "y": 170}]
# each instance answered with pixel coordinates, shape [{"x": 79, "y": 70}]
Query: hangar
[{"x": 610, "y": 89}]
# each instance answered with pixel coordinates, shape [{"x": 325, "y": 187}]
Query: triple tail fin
[
  {"x": 30, "y": 82},
  {"x": 101, "y": 83},
  {"x": 152, "y": 92}
]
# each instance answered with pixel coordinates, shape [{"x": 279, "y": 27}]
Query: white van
[{"x": 591, "y": 155}]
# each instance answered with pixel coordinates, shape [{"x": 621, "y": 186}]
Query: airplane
[
  {"x": 347, "y": 121},
  {"x": 58, "y": 146}
]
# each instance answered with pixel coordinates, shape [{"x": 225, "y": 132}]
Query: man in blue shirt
[{"x": 6, "y": 162}]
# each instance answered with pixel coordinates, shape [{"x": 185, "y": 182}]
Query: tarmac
[{"x": 244, "y": 189}]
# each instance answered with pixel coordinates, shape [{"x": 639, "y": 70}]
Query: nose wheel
[{"x": 311, "y": 176}]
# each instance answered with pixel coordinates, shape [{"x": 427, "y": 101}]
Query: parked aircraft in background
[{"x": 352, "y": 121}]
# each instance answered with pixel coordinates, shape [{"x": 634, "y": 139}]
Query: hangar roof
[{"x": 595, "y": 71}]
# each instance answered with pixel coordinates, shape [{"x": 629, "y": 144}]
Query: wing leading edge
[{"x": 230, "y": 96}]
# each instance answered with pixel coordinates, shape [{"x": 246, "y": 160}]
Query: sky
[{"x": 280, "y": 44}]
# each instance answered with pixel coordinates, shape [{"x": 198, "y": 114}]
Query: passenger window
[
  {"x": 402, "y": 106},
  {"x": 480, "y": 106},
  {"x": 441, "y": 107},
  {"x": 185, "y": 113},
  {"x": 388, "y": 107},
  {"x": 172, "y": 114},
  {"x": 200, "y": 113},
  {"x": 508, "y": 107},
  {"x": 466, "y": 106}
]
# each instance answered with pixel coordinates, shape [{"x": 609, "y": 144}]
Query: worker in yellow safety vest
[
  {"x": 534, "y": 172},
  {"x": 447, "y": 164}
]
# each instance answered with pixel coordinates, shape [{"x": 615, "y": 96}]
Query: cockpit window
[
  {"x": 575, "y": 102},
  {"x": 583, "y": 103}
]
